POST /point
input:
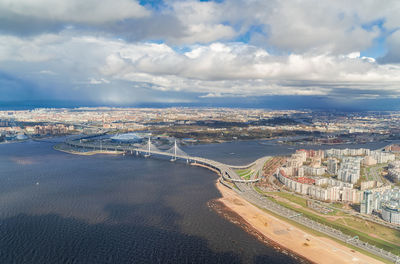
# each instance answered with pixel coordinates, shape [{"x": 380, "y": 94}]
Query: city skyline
[{"x": 263, "y": 54}]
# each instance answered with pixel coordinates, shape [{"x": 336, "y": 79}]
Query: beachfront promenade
[{"x": 245, "y": 188}]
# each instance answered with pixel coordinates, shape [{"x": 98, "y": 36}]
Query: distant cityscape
[{"x": 205, "y": 125}]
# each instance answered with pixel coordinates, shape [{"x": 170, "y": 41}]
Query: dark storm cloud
[
  {"x": 21, "y": 25},
  {"x": 161, "y": 26},
  {"x": 13, "y": 88},
  {"x": 346, "y": 90}
]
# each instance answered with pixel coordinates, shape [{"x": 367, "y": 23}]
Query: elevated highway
[{"x": 226, "y": 172}]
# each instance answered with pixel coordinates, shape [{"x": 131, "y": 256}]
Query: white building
[
  {"x": 391, "y": 212},
  {"x": 334, "y": 191},
  {"x": 332, "y": 166},
  {"x": 314, "y": 171},
  {"x": 384, "y": 200},
  {"x": 339, "y": 153},
  {"x": 349, "y": 169},
  {"x": 383, "y": 157}
]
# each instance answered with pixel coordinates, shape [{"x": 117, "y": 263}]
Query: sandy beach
[{"x": 311, "y": 247}]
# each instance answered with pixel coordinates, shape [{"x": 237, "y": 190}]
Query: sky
[{"x": 240, "y": 53}]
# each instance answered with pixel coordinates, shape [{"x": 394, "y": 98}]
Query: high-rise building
[
  {"x": 332, "y": 166},
  {"x": 391, "y": 212},
  {"x": 366, "y": 203},
  {"x": 349, "y": 169}
]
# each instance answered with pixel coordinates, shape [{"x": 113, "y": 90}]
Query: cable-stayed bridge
[
  {"x": 148, "y": 149},
  {"x": 174, "y": 151}
]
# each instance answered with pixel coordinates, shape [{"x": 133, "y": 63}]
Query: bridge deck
[{"x": 226, "y": 171}]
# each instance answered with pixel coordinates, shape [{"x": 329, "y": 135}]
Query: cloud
[
  {"x": 203, "y": 20},
  {"x": 289, "y": 26},
  {"x": 305, "y": 26},
  {"x": 318, "y": 27},
  {"x": 243, "y": 70},
  {"x": 99, "y": 81},
  {"x": 13, "y": 88},
  {"x": 89, "y": 11},
  {"x": 217, "y": 69},
  {"x": 47, "y": 72},
  {"x": 122, "y": 51},
  {"x": 122, "y": 18},
  {"x": 27, "y": 18},
  {"x": 393, "y": 54}
]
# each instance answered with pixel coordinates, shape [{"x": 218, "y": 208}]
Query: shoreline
[
  {"x": 90, "y": 153},
  {"x": 224, "y": 211},
  {"x": 282, "y": 235}
]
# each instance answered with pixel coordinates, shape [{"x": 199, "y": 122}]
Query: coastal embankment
[
  {"x": 89, "y": 153},
  {"x": 267, "y": 228}
]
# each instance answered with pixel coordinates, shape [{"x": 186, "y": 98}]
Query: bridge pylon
[
  {"x": 175, "y": 148},
  {"x": 148, "y": 154}
]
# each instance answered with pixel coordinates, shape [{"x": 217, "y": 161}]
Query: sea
[{"x": 57, "y": 207}]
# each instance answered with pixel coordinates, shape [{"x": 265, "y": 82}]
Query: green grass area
[
  {"x": 319, "y": 234},
  {"x": 245, "y": 174},
  {"x": 363, "y": 174},
  {"x": 239, "y": 172},
  {"x": 368, "y": 172},
  {"x": 350, "y": 225},
  {"x": 291, "y": 197},
  {"x": 259, "y": 190},
  {"x": 388, "y": 234},
  {"x": 337, "y": 205},
  {"x": 246, "y": 177},
  {"x": 346, "y": 229}
]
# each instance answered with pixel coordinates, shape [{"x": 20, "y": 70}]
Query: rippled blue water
[{"x": 61, "y": 208}]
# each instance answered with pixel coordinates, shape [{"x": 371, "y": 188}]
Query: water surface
[{"x": 62, "y": 208}]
